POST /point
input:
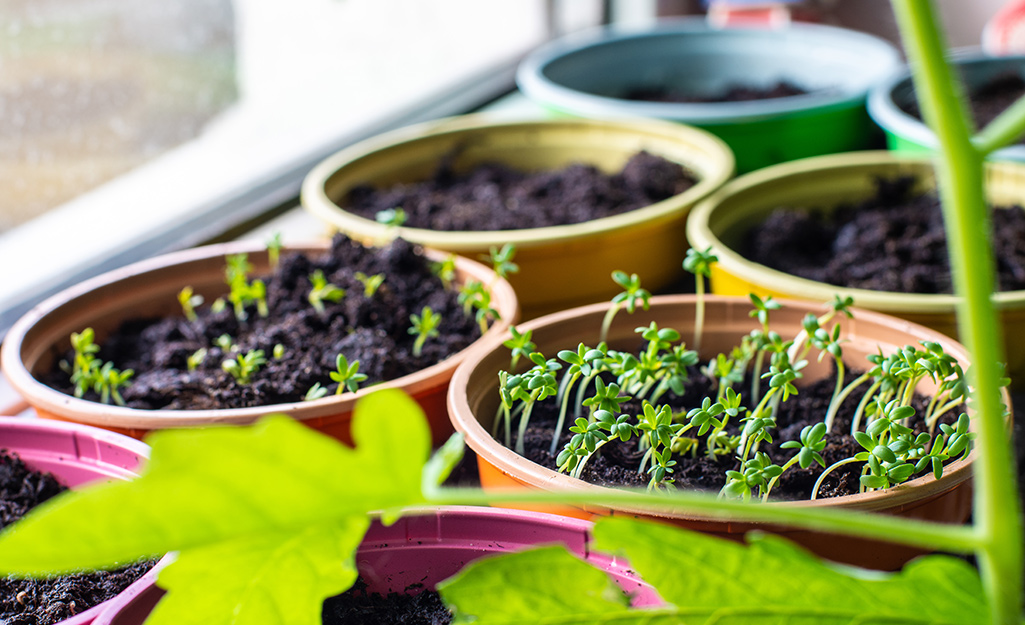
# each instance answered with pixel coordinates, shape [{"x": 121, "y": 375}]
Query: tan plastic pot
[
  {"x": 561, "y": 266},
  {"x": 473, "y": 402},
  {"x": 721, "y": 221},
  {"x": 149, "y": 289}
]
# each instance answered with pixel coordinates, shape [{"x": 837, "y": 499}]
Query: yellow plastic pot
[
  {"x": 721, "y": 221},
  {"x": 560, "y": 266}
]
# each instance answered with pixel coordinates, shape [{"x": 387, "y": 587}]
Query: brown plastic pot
[
  {"x": 473, "y": 402},
  {"x": 149, "y": 289}
]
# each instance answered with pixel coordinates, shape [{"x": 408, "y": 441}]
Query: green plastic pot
[
  {"x": 560, "y": 266},
  {"x": 906, "y": 133},
  {"x": 588, "y": 74},
  {"x": 721, "y": 222}
]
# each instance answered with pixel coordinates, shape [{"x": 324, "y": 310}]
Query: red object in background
[
  {"x": 726, "y": 14},
  {"x": 1004, "y": 33}
]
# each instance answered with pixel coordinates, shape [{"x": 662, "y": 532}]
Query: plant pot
[
  {"x": 889, "y": 99},
  {"x": 722, "y": 220},
  {"x": 560, "y": 266},
  {"x": 473, "y": 402},
  {"x": 589, "y": 74},
  {"x": 149, "y": 289},
  {"x": 422, "y": 550},
  {"x": 75, "y": 455}
]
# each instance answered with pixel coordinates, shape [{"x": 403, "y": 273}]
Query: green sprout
[
  {"x": 225, "y": 343},
  {"x": 195, "y": 359},
  {"x": 346, "y": 375},
  {"x": 322, "y": 291},
  {"x": 700, "y": 264},
  {"x": 278, "y": 352},
  {"x": 274, "y": 245},
  {"x": 243, "y": 293},
  {"x": 244, "y": 366},
  {"x": 501, "y": 260},
  {"x": 425, "y": 326},
  {"x": 392, "y": 217},
  {"x": 370, "y": 283},
  {"x": 316, "y": 392},
  {"x": 189, "y": 301},
  {"x": 631, "y": 296},
  {"x": 445, "y": 270},
  {"x": 90, "y": 373}
]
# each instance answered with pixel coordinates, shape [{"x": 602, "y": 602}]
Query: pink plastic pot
[
  {"x": 432, "y": 546},
  {"x": 75, "y": 454}
]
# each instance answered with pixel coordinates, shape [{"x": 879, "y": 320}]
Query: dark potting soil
[
  {"x": 616, "y": 464},
  {"x": 733, "y": 93},
  {"x": 492, "y": 196},
  {"x": 373, "y": 330},
  {"x": 986, "y": 101},
  {"x": 358, "y": 607},
  {"x": 894, "y": 241},
  {"x": 47, "y": 601}
]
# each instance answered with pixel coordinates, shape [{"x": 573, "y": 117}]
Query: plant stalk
[{"x": 960, "y": 176}]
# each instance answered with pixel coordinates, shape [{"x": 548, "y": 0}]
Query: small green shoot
[
  {"x": 189, "y": 302},
  {"x": 425, "y": 326},
  {"x": 278, "y": 352},
  {"x": 501, "y": 260},
  {"x": 393, "y": 217},
  {"x": 631, "y": 296},
  {"x": 699, "y": 264},
  {"x": 195, "y": 359},
  {"x": 274, "y": 245},
  {"x": 445, "y": 270},
  {"x": 90, "y": 373},
  {"x": 244, "y": 366},
  {"x": 225, "y": 343},
  {"x": 370, "y": 283},
  {"x": 243, "y": 292},
  {"x": 316, "y": 392},
  {"x": 346, "y": 375},
  {"x": 322, "y": 291}
]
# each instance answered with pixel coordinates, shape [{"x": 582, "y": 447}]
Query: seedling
[
  {"x": 519, "y": 345},
  {"x": 346, "y": 375},
  {"x": 274, "y": 245},
  {"x": 631, "y": 296},
  {"x": 278, "y": 352},
  {"x": 474, "y": 295},
  {"x": 189, "y": 301},
  {"x": 501, "y": 260},
  {"x": 322, "y": 291},
  {"x": 244, "y": 366},
  {"x": 425, "y": 326},
  {"x": 225, "y": 343},
  {"x": 316, "y": 392},
  {"x": 370, "y": 283},
  {"x": 392, "y": 217},
  {"x": 445, "y": 270},
  {"x": 243, "y": 292},
  {"x": 196, "y": 358},
  {"x": 700, "y": 264},
  {"x": 90, "y": 373}
]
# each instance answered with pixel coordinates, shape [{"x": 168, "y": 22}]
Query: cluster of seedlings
[
  {"x": 247, "y": 299},
  {"x": 592, "y": 384}
]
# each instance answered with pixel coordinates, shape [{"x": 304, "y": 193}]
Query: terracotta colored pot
[
  {"x": 149, "y": 289},
  {"x": 560, "y": 266},
  {"x": 473, "y": 401},
  {"x": 75, "y": 454},
  {"x": 825, "y": 182},
  {"x": 425, "y": 549}
]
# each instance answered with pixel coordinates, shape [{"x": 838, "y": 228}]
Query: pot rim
[
  {"x": 714, "y": 169},
  {"x": 701, "y": 236},
  {"x": 506, "y": 460},
  {"x": 884, "y": 111},
  {"x": 95, "y": 413},
  {"x": 531, "y": 79}
]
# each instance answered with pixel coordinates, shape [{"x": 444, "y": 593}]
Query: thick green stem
[
  {"x": 953, "y": 538},
  {"x": 960, "y": 175}
]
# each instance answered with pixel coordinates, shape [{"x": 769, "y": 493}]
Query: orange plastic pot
[
  {"x": 149, "y": 289},
  {"x": 473, "y": 403}
]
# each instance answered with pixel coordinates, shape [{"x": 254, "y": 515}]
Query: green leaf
[
  {"x": 541, "y": 585},
  {"x": 207, "y": 486},
  {"x": 279, "y": 577},
  {"x": 774, "y": 581}
]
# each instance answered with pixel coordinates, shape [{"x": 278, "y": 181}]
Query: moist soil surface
[
  {"x": 493, "y": 197},
  {"x": 986, "y": 101},
  {"x": 733, "y": 93},
  {"x": 372, "y": 330},
  {"x": 43, "y": 602},
  {"x": 358, "y": 607},
  {"x": 617, "y": 463},
  {"x": 894, "y": 241}
]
